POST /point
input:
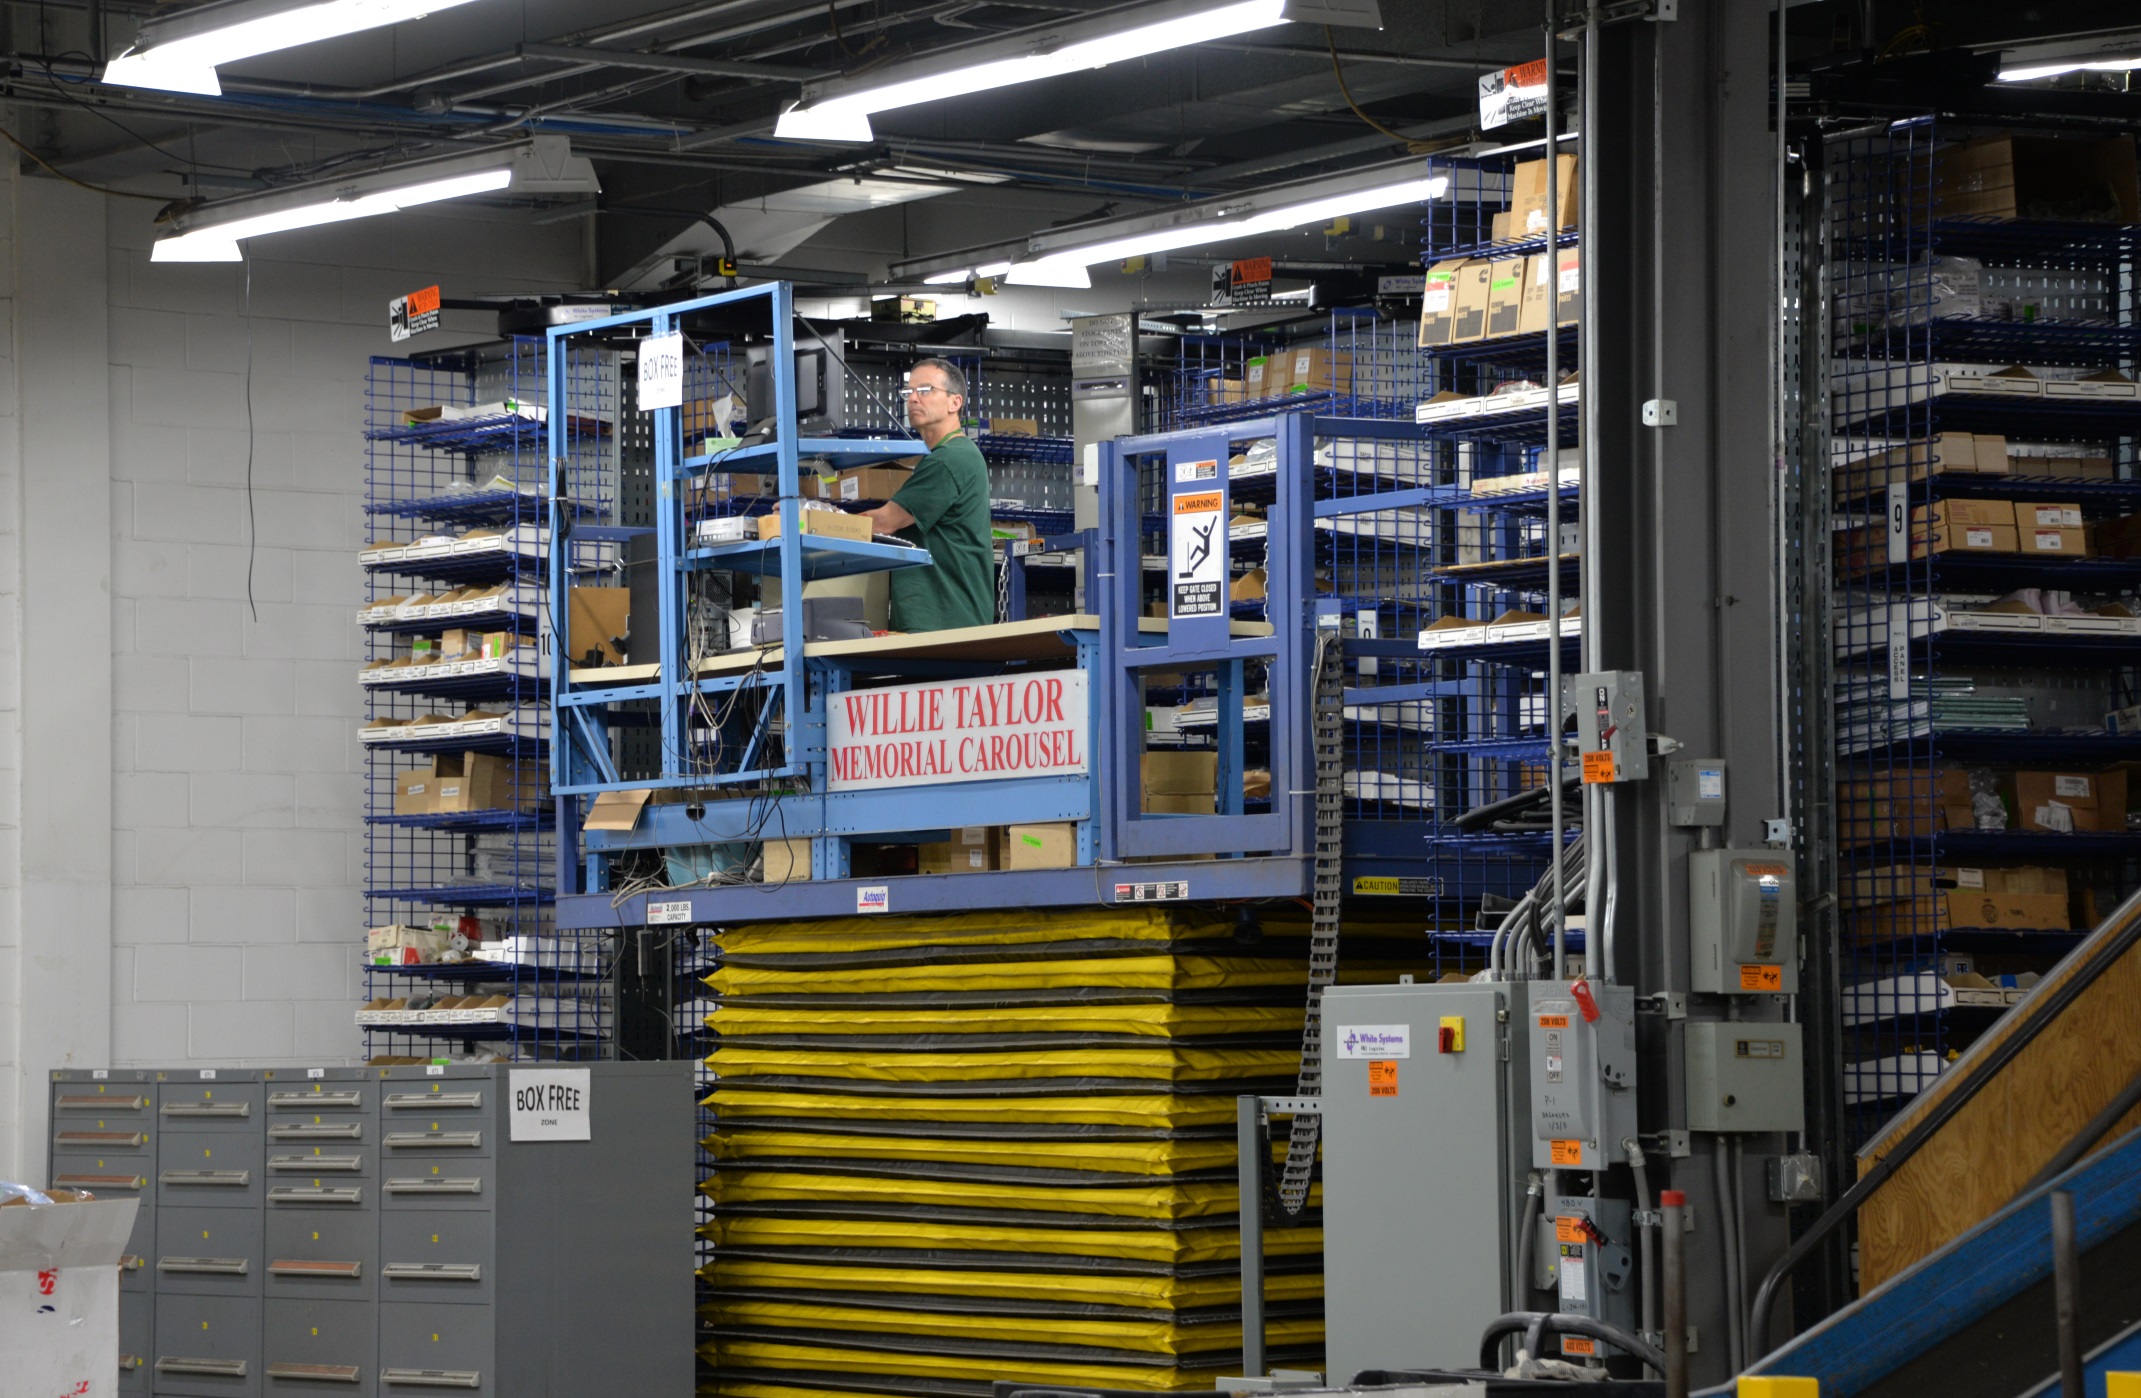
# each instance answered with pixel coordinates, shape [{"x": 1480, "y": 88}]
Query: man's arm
[{"x": 888, "y": 518}]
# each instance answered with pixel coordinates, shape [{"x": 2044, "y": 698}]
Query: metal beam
[{"x": 672, "y": 63}]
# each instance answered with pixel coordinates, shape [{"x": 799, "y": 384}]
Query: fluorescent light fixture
[
  {"x": 842, "y": 112},
  {"x": 957, "y": 278},
  {"x": 1067, "y": 276},
  {"x": 1219, "y": 230},
  {"x": 2053, "y": 70},
  {"x": 211, "y": 232},
  {"x": 180, "y": 53}
]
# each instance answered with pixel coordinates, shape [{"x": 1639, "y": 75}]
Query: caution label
[
  {"x": 1754, "y": 977},
  {"x": 413, "y": 314},
  {"x": 1368, "y": 886},
  {"x": 1565, "y": 1152},
  {"x": 1197, "y": 555},
  {"x": 1599, "y": 767},
  {"x": 1383, "y": 1077}
]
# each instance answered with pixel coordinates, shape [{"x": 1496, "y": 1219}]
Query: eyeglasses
[{"x": 920, "y": 390}]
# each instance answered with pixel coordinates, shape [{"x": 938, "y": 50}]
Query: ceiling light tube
[
  {"x": 211, "y": 232},
  {"x": 180, "y": 52},
  {"x": 2053, "y": 70},
  {"x": 841, "y": 112}
]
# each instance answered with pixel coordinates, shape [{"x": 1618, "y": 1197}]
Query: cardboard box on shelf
[
  {"x": 1474, "y": 281},
  {"x": 1505, "y": 296},
  {"x": 1050, "y": 846},
  {"x": 1538, "y": 293},
  {"x": 2071, "y": 802},
  {"x": 1502, "y": 228},
  {"x": 831, "y": 524},
  {"x": 786, "y": 861},
  {"x": 1908, "y": 803},
  {"x": 600, "y": 619},
  {"x": 1249, "y": 587},
  {"x": 1438, "y": 303},
  {"x": 474, "y": 781},
  {"x": 2063, "y": 543},
  {"x": 1962, "y": 908},
  {"x": 2028, "y": 177},
  {"x": 1258, "y": 379},
  {"x": 972, "y": 849},
  {"x": 1012, "y": 426},
  {"x": 1898, "y": 883},
  {"x": 1178, "y": 773},
  {"x": 1959, "y": 514},
  {"x": 402, "y": 945},
  {"x": 416, "y": 792},
  {"x": 1313, "y": 369},
  {"x": 1568, "y": 284},
  {"x": 859, "y": 483},
  {"x": 709, "y": 417},
  {"x": 1527, "y": 200}
]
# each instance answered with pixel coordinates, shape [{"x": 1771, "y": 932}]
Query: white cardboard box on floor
[{"x": 59, "y": 1296}]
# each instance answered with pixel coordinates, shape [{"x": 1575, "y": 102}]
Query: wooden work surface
[
  {"x": 1040, "y": 638},
  {"x": 1973, "y": 1167}
]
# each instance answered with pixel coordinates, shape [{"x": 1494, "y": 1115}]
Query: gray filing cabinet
[
  {"x": 1425, "y": 1151},
  {"x": 368, "y": 1232}
]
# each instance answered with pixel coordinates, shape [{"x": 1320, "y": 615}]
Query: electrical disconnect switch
[
  {"x": 1593, "y": 1266},
  {"x": 1743, "y": 922},
  {"x": 1582, "y": 1073},
  {"x": 1612, "y": 727}
]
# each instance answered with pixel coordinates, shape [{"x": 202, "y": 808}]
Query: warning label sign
[{"x": 1197, "y": 555}]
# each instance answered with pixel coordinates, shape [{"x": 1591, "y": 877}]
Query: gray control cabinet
[
  {"x": 1424, "y": 1157},
  {"x": 378, "y": 1231}
]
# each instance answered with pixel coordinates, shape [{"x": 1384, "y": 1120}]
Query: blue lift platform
[{"x": 770, "y": 743}]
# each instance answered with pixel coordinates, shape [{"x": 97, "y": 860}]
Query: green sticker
[
  {"x": 1505, "y": 283},
  {"x": 1033, "y": 840}
]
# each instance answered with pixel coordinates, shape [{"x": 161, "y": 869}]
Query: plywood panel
[{"x": 2015, "y": 1124}]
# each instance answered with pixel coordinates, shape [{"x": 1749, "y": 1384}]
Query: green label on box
[
  {"x": 1504, "y": 283},
  {"x": 1033, "y": 840}
]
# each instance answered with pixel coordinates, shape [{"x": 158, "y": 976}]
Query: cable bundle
[{"x": 956, "y": 1149}]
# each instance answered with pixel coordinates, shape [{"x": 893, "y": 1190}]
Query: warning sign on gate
[{"x": 1197, "y": 555}]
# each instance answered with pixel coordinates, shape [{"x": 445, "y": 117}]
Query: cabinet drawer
[
  {"x": 328, "y": 1164},
  {"x": 435, "y": 1350},
  {"x": 232, "y": 1107},
  {"x": 137, "y": 1336},
  {"x": 433, "y": 1138},
  {"x": 323, "y": 1347},
  {"x": 103, "y": 1136},
  {"x": 326, "y": 1098},
  {"x": 318, "y": 1129},
  {"x": 206, "y": 1346},
  {"x": 209, "y": 1169},
  {"x": 452, "y": 1182},
  {"x": 119, "y": 1175},
  {"x": 462, "y": 1098},
  {"x": 323, "y": 1253},
  {"x": 436, "y": 1256},
  {"x": 113, "y": 1101},
  {"x": 208, "y": 1252}
]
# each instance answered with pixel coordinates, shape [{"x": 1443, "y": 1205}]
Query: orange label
[
  {"x": 1553, "y": 1021},
  {"x": 1766, "y": 871},
  {"x": 1204, "y": 504},
  {"x": 1567, "y": 1227},
  {"x": 1566, "y": 1153},
  {"x": 1532, "y": 74},
  {"x": 1382, "y": 1077},
  {"x": 1252, "y": 269},
  {"x": 1761, "y": 978},
  {"x": 1598, "y": 767},
  {"x": 423, "y": 301},
  {"x": 1578, "y": 1344}
]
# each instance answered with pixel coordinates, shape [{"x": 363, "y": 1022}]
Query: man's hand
[{"x": 888, "y": 518}]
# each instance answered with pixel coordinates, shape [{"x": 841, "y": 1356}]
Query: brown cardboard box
[
  {"x": 972, "y": 849},
  {"x": 2024, "y": 177},
  {"x": 1568, "y": 284},
  {"x": 1182, "y": 803},
  {"x": 1438, "y": 303},
  {"x": 1909, "y": 803},
  {"x": 786, "y": 861},
  {"x": 833, "y": 524},
  {"x": 2070, "y": 802},
  {"x": 859, "y": 483},
  {"x": 618, "y": 810},
  {"x": 1312, "y": 369},
  {"x": 416, "y": 792},
  {"x": 1012, "y": 426},
  {"x": 600, "y": 618},
  {"x": 702, "y": 419},
  {"x": 1502, "y": 228},
  {"x": 474, "y": 781},
  {"x": 1964, "y": 538},
  {"x": 1473, "y": 282},
  {"x": 1959, "y": 514},
  {"x": 2119, "y": 538},
  {"x": 1903, "y": 882},
  {"x": 2063, "y": 543},
  {"x": 1989, "y": 454},
  {"x": 1191, "y": 773},
  {"x": 2033, "y": 514},
  {"x": 1959, "y": 908},
  {"x": 1052, "y": 846},
  {"x": 1527, "y": 199},
  {"x": 1259, "y": 380},
  {"x": 2027, "y": 878},
  {"x": 1538, "y": 293},
  {"x": 1249, "y": 587},
  {"x": 1505, "y": 296}
]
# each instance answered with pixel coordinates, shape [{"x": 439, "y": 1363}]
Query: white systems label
[{"x": 1375, "y": 1041}]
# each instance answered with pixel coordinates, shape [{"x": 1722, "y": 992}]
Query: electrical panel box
[
  {"x": 1422, "y": 1089},
  {"x": 1583, "y": 1067},
  {"x": 1695, "y": 791},
  {"x": 1594, "y": 1267},
  {"x": 1743, "y": 922},
  {"x": 1612, "y": 726},
  {"x": 1744, "y": 1076}
]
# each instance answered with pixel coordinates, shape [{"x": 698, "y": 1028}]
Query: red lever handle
[{"x": 1581, "y": 990}]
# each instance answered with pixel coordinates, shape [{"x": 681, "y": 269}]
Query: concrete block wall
[{"x": 232, "y": 848}]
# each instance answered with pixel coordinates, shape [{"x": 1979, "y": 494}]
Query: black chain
[{"x": 1323, "y": 927}]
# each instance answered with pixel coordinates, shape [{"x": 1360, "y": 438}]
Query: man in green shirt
[{"x": 944, "y": 507}]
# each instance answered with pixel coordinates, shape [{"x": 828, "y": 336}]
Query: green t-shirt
[{"x": 949, "y": 499}]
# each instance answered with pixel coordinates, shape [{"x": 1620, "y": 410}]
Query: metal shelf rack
[
  {"x": 454, "y": 504},
  {"x": 1914, "y": 630}
]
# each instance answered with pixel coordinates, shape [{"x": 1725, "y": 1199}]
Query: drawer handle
[
  {"x": 93, "y": 1183},
  {"x": 215, "y": 1368},
  {"x": 433, "y": 1271},
  {"x": 220, "y": 1179},
  {"x": 299, "y": 1267},
  {"x": 318, "y": 1131},
  {"x": 474, "y": 1186},
  {"x": 205, "y": 1266},
  {"x": 122, "y": 1139},
  {"x": 315, "y": 1099},
  {"x": 318, "y": 1373},
  {"x": 425, "y": 1101},
  {"x": 294, "y": 1194},
  {"x": 216, "y": 1111},
  {"x": 434, "y": 1140},
  {"x": 89, "y": 1102},
  {"x": 315, "y": 1164},
  {"x": 433, "y": 1378}
]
